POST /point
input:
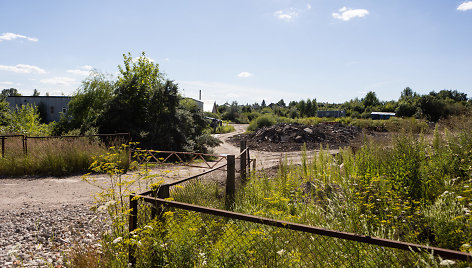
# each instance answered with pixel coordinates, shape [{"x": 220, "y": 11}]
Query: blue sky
[{"x": 245, "y": 50}]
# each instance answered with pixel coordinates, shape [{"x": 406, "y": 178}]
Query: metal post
[
  {"x": 163, "y": 192},
  {"x": 25, "y": 145},
  {"x": 242, "y": 162},
  {"x": 133, "y": 224},
  {"x": 230, "y": 182},
  {"x": 248, "y": 161},
  {"x": 3, "y": 146}
]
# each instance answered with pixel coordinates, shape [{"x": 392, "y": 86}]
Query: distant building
[
  {"x": 381, "y": 115},
  {"x": 50, "y": 107},
  {"x": 210, "y": 106},
  {"x": 335, "y": 113}
]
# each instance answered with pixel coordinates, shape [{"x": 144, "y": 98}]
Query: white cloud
[
  {"x": 308, "y": 6},
  {"x": 286, "y": 15},
  {"x": 244, "y": 74},
  {"x": 347, "y": 14},
  {"x": 6, "y": 83},
  {"x": 61, "y": 81},
  {"x": 12, "y": 36},
  {"x": 465, "y": 6},
  {"x": 83, "y": 70},
  {"x": 22, "y": 69}
]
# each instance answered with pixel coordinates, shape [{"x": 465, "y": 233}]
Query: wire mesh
[
  {"x": 206, "y": 190},
  {"x": 182, "y": 238},
  {"x": 11, "y": 146}
]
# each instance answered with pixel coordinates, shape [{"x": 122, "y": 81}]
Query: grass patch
[
  {"x": 52, "y": 157},
  {"x": 225, "y": 129}
]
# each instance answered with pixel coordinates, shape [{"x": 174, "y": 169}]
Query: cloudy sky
[{"x": 245, "y": 50}]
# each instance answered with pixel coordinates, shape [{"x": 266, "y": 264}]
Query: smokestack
[{"x": 200, "y": 95}]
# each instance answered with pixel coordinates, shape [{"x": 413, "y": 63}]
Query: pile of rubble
[{"x": 290, "y": 137}]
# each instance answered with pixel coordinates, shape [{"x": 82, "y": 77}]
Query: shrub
[{"x": 266, "y": 120}]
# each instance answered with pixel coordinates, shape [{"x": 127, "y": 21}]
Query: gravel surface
[
  {"x": 37, "y": 237},
  {"x": 42, "y": 218}
]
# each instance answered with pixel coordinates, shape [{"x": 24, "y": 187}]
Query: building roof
[{"x": 383, "y": 113}]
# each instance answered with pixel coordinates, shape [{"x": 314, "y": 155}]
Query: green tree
[
  {"x": 5, "y": 117},
  {"x": 10, "y": 92},
  {"x": 370, "y": 100},
  {"x": 35, "y": 93},
  {"x": 87, "y": 104},
  {"x": 149, "y": 107}
]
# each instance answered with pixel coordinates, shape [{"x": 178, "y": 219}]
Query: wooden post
[
  {"x": 230, "y": 182},
  {"x": 133, "y": 224},
  {"x": 242, "y": 162},
  {"x": 163, "y": 192}
]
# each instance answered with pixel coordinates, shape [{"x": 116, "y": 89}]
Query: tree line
[{"x": 432, "y": 107}]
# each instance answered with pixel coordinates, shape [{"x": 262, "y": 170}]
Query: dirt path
[{"x": 53, "y": 192}]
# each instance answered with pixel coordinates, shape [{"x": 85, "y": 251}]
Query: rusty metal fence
[
  {"x": 12, "y": 145},
  {"x": 216, "y": 186},
  {"x": 22, "y": 145},
  {"x": 191, "y": 235},
  {"x": 203, "y": 231}
]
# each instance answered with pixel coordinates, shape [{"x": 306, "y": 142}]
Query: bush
[
  {"x": 266, "y": 120},
  {"x": 225, "y": 129}
]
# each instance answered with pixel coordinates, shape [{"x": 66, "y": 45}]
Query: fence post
[
  {"x": 248, "y": 161},
  {"x": 128, "y": 140},
  {"x": 242, "y": 162},
  {"x": 25, "y": 145},
  {"x": 230, "y": 182},
  {"x": 3, "y": 146},
  {"x": 163, "y": 192},
  {"x": 133, "y": 224}
]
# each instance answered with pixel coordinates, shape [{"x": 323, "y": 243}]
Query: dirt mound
[{"x": 290, "y": 137}]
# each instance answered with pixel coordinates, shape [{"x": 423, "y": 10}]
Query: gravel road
[{"x": 41, "y": 218}]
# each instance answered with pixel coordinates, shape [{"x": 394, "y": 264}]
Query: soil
[
  {"x": 42, "y": 216},
  {"x": 291, "y": 137}
]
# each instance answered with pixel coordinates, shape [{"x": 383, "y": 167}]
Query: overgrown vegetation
[
  {"x": 140, "y": 102},
  {"x": 429, "y": 107},
  {"x": 52, "y": 157},
  {"x": 411, "y": 189}
]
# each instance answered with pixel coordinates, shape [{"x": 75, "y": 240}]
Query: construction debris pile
[{"x": 290, "y": 137}]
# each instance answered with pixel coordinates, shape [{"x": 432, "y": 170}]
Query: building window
[
  {"x": 64, "y": 110},
  {"x": 52, "y": 109}
]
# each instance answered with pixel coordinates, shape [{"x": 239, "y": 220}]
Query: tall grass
[
  {"x": 51, "y": 157},
  {"x": 411, "y": 189}
]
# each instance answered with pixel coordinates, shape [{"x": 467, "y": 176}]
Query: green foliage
[
  {"x": 87, "y": 105},
  {"x": 50, "y": 157},
  {"x": 262, "y": 121},
  {"x": 5, "y": 117},
  {"x": 141, "y": 102},
  {"x": 225, "y": 129},
  {"x": 8, "y": 92},
  {"x": 25, "y": 120},
  {"x": 370, "y": 100},
  {"x": 382, "y": 190}
]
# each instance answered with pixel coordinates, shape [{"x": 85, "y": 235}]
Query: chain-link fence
[
  {"x": 12, "y": 145},
  {"x": 38, "y": 145},
  {"x": 190, "y": 228},
  {"x": 189, "y": 235},
  {"x": 22, "y": 145}
]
